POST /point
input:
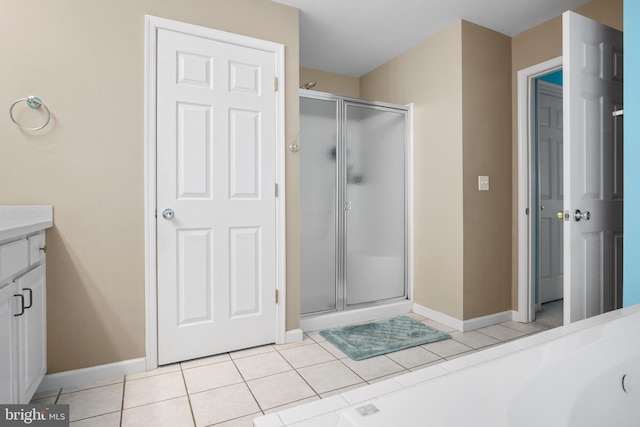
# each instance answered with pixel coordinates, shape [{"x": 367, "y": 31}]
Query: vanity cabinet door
[
  {"x": 32, "y": 333},
  {"x": 8, "y": 345}
]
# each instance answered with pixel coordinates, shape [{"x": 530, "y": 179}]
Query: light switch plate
[{"x": 483, "y": 183}]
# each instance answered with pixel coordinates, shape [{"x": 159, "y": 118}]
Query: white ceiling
[{"x": 353, "y": 37}]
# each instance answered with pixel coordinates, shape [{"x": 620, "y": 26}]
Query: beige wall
[
  {"x": 85, "y": 59},
  {"x": 486, "y": 112},
  {"x": 337, "y": 84},
  {"x": 462, "y": 242},
  {"x": 430, "y": 76},
  {"x": 532, "y": 47}
]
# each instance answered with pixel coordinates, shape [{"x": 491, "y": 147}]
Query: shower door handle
[{"x": 347, "y": 205}]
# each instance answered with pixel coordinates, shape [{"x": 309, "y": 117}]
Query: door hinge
[
  {"x": 276, "y": 189},
  {"x": 275, "y": 84},
  {"x": 276, "y": 296}
]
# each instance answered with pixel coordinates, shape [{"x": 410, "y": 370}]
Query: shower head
[{"x": 308, "y": 85}]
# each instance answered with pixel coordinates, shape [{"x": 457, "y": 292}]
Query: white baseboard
[
  {"x": 341, "y": 318},
  {"x": 489, "y": 320},
  {"x": 465, "y": 325},
  {"x": 445, "y": 319},
  {"x": 94, "y": 373},
  {"x": 294, "y": 335}
]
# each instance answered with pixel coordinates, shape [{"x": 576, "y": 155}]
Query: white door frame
[
  {"x": 152, "y": 24},
  {"x": 526, "y": 227}
]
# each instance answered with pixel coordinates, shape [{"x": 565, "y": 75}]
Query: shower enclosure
[{"x": 353, "y": 203}]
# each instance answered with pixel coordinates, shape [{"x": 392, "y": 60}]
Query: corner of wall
[{"x": 486, "y": 100}]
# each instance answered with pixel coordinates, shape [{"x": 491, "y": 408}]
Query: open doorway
[
  {"x": 547, "y": 188},
  {"x": 540, "y": 186}
]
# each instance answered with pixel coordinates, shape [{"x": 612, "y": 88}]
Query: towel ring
[{"x": 33, "y": 102}]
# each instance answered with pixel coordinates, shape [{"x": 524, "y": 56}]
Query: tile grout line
[
  {"x": 246, "y": 384},
  {"x": 364, "y": 381},
  {"x": 349, "y": 368},
  {"x": 296, "y": 370},
  {"x": 339, "y": 360},
  {"x": 124, "y": 385},
  {"x": 522, "y": 332},
  {"x": 186, "y": 389},
  {"x": 404, "y": 369}
]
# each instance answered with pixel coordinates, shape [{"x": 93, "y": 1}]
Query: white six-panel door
[
  {"x": 216, "y": 218},
  {"x": 592, "y": 56}
]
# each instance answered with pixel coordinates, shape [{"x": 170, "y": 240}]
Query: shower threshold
[{"x": 333, "y": 319}]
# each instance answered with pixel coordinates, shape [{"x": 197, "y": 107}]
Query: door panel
[
  {"x": 374, "y": 165},
  {"x": 216, "y": 172},
  {"x": 592, "y": 163},
  {"x": 318, "y": 185},
  {"x": 195, "y": 293},
  {"x": 194, "y": 151},
  {"x": 245, "y": 283}
]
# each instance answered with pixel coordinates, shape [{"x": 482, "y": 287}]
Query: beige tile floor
[{"x": 231, "y": 389}]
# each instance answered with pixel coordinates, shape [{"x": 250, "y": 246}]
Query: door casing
[{"x": 152, "y": 24}]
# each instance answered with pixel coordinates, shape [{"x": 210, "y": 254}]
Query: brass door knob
[{"x": 560, "y": 215}]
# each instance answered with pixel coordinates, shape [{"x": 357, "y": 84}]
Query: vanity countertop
[{"x": 16, "y": 221}]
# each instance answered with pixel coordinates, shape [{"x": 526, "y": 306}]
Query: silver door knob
[
  {"x": 581, "y": 215},
  {"x": 168, "y": 213}
]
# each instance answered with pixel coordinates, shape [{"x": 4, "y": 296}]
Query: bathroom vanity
[{"x": 23, "y": 312}]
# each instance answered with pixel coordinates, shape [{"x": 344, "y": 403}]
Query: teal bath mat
[{"x": 385, "y": 336}]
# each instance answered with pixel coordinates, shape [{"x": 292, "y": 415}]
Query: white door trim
[
  {"x": 410, "y": 186},
  {"x": 152, "y": 24},
  {"x": 526, "y": 77}
]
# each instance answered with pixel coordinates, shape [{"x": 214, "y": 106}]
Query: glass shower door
[
  {"x": 375, "y": 211},
  {"x": 318, "y": 145}
]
